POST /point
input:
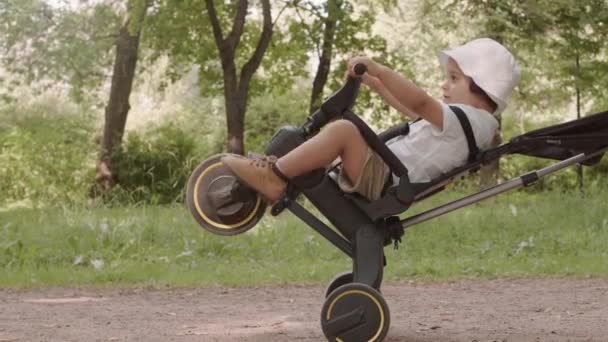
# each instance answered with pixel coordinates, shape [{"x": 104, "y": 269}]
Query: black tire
[
  {"x": 232, "y": 215},
  {"x": 339, "y": 280},
  {"x": 355, "y": 313}
]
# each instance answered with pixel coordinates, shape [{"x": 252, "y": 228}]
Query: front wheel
[{"x": 219, "y": 202}]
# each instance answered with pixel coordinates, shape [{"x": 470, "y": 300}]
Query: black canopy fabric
[{"x": 585, "y": 135}]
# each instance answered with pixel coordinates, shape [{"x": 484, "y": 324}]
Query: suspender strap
[{"x": 468, "y": 132}]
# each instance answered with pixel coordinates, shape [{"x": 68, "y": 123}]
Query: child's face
[{"x": 456, "y": 88}]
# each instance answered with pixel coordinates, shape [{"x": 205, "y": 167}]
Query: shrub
[
  {"x": 154, "y": 166},
  {"x": 267, "y": 113},
  {"x": 45, "y": 153}
]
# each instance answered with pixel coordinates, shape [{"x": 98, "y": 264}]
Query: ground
[{"x": 492, "y": 310}]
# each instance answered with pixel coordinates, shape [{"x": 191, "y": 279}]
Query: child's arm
[
  {"x": 376, "y": 85},
  {"x": 404, "y": 91}
]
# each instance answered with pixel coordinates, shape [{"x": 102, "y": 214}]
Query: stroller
[{"x": 354, "y": 309}]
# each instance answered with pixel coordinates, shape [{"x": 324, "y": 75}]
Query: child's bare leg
[{"x": 340, "y": 138}]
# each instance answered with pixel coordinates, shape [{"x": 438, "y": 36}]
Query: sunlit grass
[{"x": 515, "y": 235}]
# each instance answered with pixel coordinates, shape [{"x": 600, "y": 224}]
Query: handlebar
[
  {"x": 338, "y": 103},
  {"x": 360, "y": 69},
  {"x": 345, "y": 97}
]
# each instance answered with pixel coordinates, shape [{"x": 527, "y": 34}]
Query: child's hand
[
  {"x": 368, "y": 62},
  {"x": 371, "y": 81}
]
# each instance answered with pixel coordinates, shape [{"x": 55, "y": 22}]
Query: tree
[
  {"x": 74, "y": 47},
  {"x": 285, "y": 46},
  {"x": 235, "y": 91},
  {"x": 117, "y": 109},
  {"x": 239, "y": 49},
  {"x": 56, "y": 45},
  {"x": 337, "y": 32},
  {"x": 334, "y": 14}
]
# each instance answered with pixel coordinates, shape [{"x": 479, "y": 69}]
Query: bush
[
  {"x": 46, "y": 153},
  {"x": 205, "y": 122},
  {"x": 267, "y": 113},
  {"x": 154, "y": 166},
  {"x": 47, "y": 156}
]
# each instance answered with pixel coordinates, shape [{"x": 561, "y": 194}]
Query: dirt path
[{"x": 500, "y": 310}]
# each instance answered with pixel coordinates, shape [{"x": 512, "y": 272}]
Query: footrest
[{"x": 343, "y": 323}]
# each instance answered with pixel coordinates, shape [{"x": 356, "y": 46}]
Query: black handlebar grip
[{"x": 360, "y": 69}]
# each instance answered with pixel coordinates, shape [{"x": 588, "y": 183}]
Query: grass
[
  {"x": 514, "y": 235},
  {"x": 517, "y": 235}
]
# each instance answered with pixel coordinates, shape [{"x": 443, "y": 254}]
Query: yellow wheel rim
[
  {"x": 331, "y": 306},
  {"x": 206, "y": 218}
]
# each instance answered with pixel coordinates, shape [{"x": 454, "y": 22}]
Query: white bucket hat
[{"x": 490, "y": 65}]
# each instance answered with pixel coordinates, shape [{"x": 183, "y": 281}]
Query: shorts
[{"x": 372, "y": 180}]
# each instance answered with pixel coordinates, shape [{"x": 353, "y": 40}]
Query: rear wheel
[{"x": 355, "y": 312}]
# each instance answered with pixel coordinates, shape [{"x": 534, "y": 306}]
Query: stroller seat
[
  {"x": 587, "y": 136},
  {"x": 397, "y": 198}
]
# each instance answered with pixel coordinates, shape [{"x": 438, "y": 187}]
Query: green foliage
[
  {"x": 267, "y": 113},
  {"x": 189, "y": 20},
  {"x": 154, "y": 162},
  {"x": 137, "y": 14},
  {"x": 597, "y": 174},
  {"x": 46, "y": 151},
  {"x": 284, "y": 60},
  {"x": 354, "y": 35},
  {"x": 298, "y": 32},
  {"x": 154, "y": 166},
  {"x": 43, "y": 43},
  {"x": 47, "y": 155}
]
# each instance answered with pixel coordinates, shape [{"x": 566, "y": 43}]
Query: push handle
[
  {"x": 360, "y": 69},
  {"x": 344, "y": 99},
  {"x": 337, "y": 104}
]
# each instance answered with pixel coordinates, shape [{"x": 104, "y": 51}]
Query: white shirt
[{"x": 428, "y": 152}]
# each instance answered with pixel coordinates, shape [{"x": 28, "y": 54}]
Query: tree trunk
[
  {"x": 117, "y": 109},
  {"x": 236, "y": 89},
  {"x": 329, "y": 33},
  {"x": 235, "y": 113}
]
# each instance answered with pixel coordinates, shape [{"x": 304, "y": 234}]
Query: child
[{"x": 480, "y": 75}]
